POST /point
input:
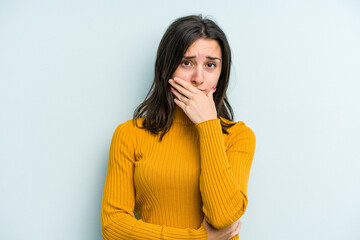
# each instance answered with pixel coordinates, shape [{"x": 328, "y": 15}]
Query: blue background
[{"x": 71, "y": 71}]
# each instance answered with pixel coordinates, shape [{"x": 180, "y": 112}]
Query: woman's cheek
[
  {"x": 184, "y": 76},
  {"x": 213, "y": 80}
]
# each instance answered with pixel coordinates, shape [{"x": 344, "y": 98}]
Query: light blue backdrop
[{"x": 71, "y": 71}]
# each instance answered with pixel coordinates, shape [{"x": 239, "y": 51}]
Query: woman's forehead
[{"x": 206, "y": 48}]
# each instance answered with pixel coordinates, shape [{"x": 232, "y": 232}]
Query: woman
[{"x": 181, "y": 163}]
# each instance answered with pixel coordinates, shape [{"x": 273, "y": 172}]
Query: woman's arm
[
  {"x": 117, "y": 217},
  {"x": 225, "y": 171}
]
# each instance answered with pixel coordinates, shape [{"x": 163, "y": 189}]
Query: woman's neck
[{"x": 181, "y": 117}]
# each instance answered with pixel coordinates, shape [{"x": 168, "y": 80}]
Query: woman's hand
[
  {"x": 197, "y": 105},
  {"x": 222, "y": 234}
]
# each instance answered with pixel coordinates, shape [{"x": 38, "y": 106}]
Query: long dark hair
[{"x": 159, "y": 103}]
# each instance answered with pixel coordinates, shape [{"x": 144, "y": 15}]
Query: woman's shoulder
[
  {"x": 240, "y": 138},
  {"x": 131, "y": 124},
  {"x": 126, "y": 132},
  {"x": 238, "y": 128}
]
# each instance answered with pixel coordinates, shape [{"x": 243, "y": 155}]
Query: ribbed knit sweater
[{"x": 195, "y": 170}]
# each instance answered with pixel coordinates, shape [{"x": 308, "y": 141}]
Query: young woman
[{"x": 181, "y": 163}]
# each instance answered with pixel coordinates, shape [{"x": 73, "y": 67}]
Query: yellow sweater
[{"x": 195, "y": 170}]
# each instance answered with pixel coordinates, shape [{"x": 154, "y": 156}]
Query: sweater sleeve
[
  {"x": 118, "y": 203},
  {"x": 225, "y": 171}
]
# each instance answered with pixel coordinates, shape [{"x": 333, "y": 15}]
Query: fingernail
[
  {"x": 214, "y": 89},
  {"x": 172, "y": 89}
]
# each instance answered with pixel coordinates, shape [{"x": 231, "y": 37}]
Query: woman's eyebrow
[
  {"x": 214, "y": 58},
  {"x": 208, "y": 57}
]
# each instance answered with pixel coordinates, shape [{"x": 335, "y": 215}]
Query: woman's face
[{"x": 201, "y": 65}]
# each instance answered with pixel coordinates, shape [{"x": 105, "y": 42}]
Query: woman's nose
[{"x": 198, "y": 76}]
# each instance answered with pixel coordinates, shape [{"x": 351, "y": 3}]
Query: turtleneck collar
[{"x": 181, "y": 117}]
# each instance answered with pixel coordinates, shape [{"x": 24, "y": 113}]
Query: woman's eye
[
  {"x": 211, "y": 65},
  {"x": 186, "y": 63}
]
